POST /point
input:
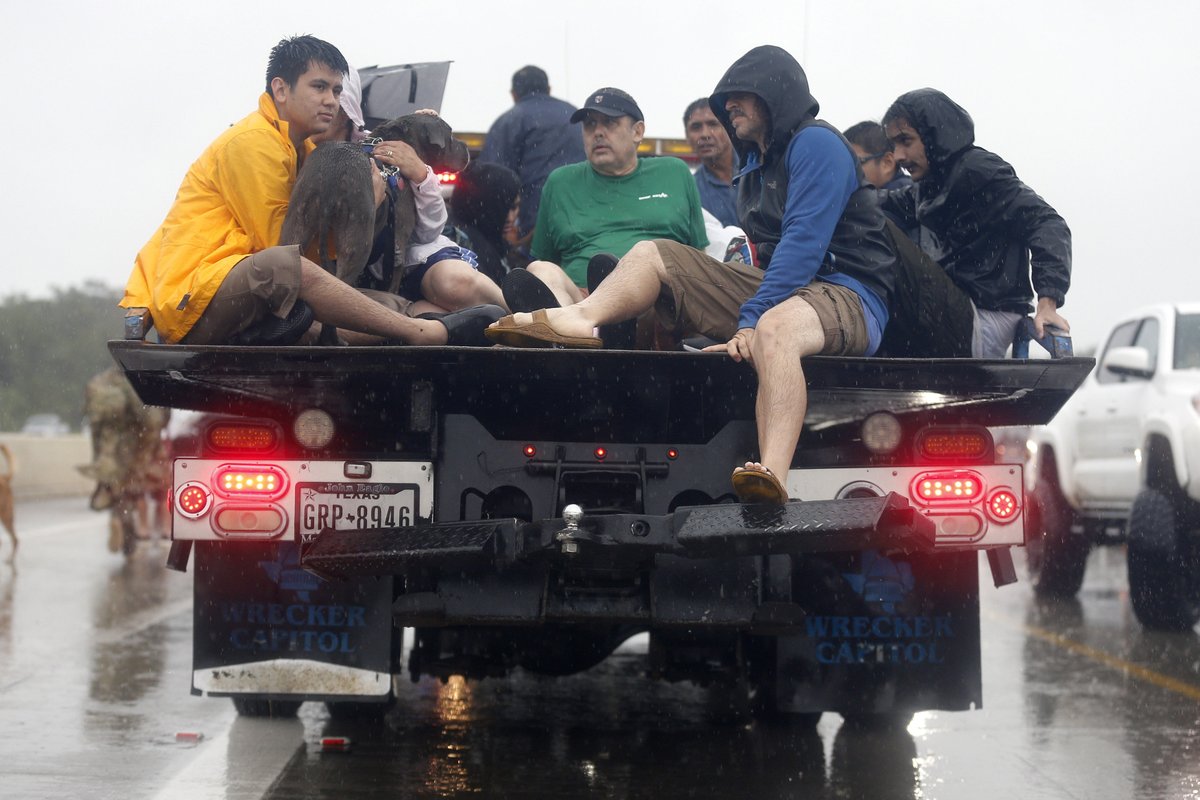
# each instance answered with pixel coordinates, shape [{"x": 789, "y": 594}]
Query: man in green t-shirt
[{"x": 613, "y": 200}]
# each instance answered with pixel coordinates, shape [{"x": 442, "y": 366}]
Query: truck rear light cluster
[
  {"x": 313, "y": 428},
  {"x": 193, "y": 500},
  {"x": 263, "y": 521},
  {"x": 247, "y": 437},
  {"x": 236, "y": 480},
  {"x": 599, "y": 452},
  {"x": 959, "y": 444},
  {"x": 882, "y": 433},
  {"x": 1002, "y": 505},
  {"x": 939, "y": 488}
]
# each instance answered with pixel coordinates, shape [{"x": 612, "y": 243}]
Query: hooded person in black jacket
[
  {"x": 819, "y": 283},
  {"x": 985, "y": 228}
]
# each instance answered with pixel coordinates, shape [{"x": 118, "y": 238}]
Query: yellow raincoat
[{"x": 231, "y": 204}]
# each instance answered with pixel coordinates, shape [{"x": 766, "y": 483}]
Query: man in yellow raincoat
[{"x": 213, "y": 268}]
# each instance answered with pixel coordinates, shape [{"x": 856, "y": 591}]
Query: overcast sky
[{"x": 1094, "y": 103}]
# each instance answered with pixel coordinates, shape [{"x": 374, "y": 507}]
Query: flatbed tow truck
[{"x": 535, "y": 508}]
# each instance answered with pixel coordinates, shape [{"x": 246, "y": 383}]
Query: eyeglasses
[{"x": 872, "y": 157}]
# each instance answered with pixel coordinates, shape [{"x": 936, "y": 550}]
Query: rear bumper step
[{"x": 692, "y": 532}]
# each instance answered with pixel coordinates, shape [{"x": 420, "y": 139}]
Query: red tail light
[
  {"x": 257, "y": 481},
  {"x": 193, "y": 500},
  {"x": 961, "y": 487},
  {"x": 1002, "y": 505}
]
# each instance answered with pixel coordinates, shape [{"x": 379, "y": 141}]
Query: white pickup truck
[{"x": 1121, "y": 462}]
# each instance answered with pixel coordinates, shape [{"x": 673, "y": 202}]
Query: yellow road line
[{"x": 1120, "y": 665}]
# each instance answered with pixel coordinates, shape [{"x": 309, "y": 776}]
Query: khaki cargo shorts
[
  {"x": 707, "y": 296},
  {"x": 267, "y": 282}
]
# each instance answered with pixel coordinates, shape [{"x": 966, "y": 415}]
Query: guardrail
[{"x": 45, "y": 465}]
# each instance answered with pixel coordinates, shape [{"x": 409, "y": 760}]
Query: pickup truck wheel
[
  {"x": 256, "y": 707},
  {"x": 1057, "y": 557},
  {"x": 1164, "y": 568}
]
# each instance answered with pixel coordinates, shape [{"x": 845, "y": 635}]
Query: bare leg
[
  {"x": 564, "y": 289},
  {"x": 454, "y": 285},
  {"x": 784, "y": 335},
  {"x": 343, "y": 306},
  {"x": 631, "y": 289}
]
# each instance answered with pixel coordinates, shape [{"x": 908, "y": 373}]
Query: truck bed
[{"x": 570, "y": 395}]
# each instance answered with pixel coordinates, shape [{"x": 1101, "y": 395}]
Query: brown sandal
[
  {"x": 758, "y": 486},
  {"x": 537, "y": 333}
]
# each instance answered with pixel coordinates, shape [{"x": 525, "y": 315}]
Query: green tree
[{"x": 50, "y": 348}]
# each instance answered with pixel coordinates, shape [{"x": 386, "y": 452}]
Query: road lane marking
[{"x": 1112, "y": 662}]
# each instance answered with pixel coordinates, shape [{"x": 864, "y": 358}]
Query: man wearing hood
[
  {"x": 986, "y": 229},
  {"x": 820, "y": 284}
]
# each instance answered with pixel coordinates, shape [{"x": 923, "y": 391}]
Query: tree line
[{"x": 49, "y": 348}]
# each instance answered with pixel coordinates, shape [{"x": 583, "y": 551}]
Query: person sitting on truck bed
[
  {"x": 614, "y": 200},
  {"x": 213, "y": 268},
  {"x": 981, "y": 224},
  {"x": 821, "y": 283}
]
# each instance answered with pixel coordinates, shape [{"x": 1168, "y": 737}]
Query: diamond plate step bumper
[{"x": 693, "y": 532}]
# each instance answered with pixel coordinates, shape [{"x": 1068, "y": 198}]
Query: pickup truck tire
[
  {"x": 1164, "y": 577},
  {"x": 1057, "y": 557},
  {"x": 256, "y": 707}
]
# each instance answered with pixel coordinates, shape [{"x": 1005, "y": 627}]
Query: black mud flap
[
  {"x": 266, "y": 628},
  {"x": 884, "y": 633}
]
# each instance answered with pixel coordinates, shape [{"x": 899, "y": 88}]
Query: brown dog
[
  {"x": 6, "y": 499},
  {"x": 434, "y": 142}
]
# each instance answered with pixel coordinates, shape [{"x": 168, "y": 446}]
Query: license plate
[{"x": 354, "y": 506}]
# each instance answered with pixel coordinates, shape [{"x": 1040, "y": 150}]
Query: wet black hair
[
  {"x": 896, "y": 113},
  {"x": 692, "y": 108},
  {"x": 530, "y": 80},
  {"x": 483, "y": 195},
  {"x": 870, "y": 136},
  {"x": 293, "y": 56}
]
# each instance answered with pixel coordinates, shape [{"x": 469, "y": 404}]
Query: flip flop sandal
[
  {"x": 465, "y": 327},
  {"x": 755, "y": 486},
  {"x": 537, "y": 333},
  {"x": 524, "y": 291}
]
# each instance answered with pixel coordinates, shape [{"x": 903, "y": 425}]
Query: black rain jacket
[
  {"x": 860, "y": 247},
  {"x": 975, "y": 217}
]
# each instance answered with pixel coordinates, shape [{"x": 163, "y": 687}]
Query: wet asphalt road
[{"x": 1080, "y": 702}]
